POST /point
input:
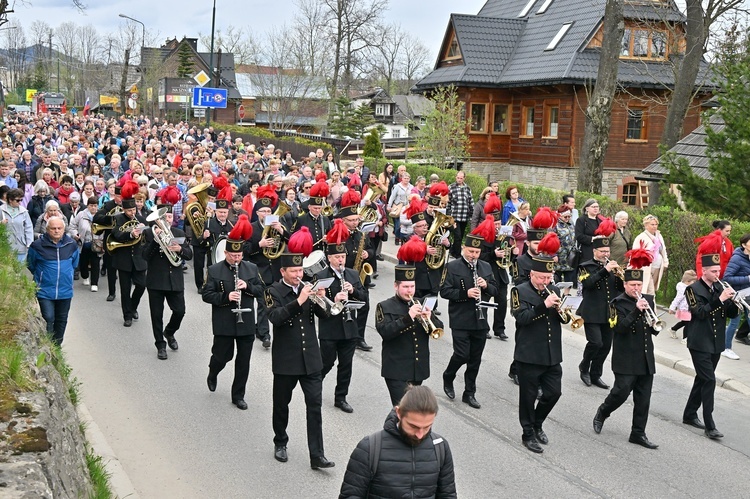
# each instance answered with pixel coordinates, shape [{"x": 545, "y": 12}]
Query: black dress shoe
[
  {"x": 240, "y": 403},
  {"x": 472, "y": 401},
  {"x": 695, "y": 423},
  {"x": 713, "y": 434},
  {"x": 449, "y": 391},
  {"x": 128, "y": 322},
  {"x": 135, "y": 315},
  {"x": 200, "y": 291},
  {"x": 436, "y": 312},
  {"x": 279, "y": 453},
  {"x": 103, "y": 272},
  {"x": 362, "y": 345},
  {"x": 514, "y": 378},
  {"x": 601, "y": 384},
  {"x": 161, "y": 354},
  {"x": 344, "y": 406},
  {"x": 489, "y": 336},
  {"x": 502, "y": 336},
  {"x": 379, "y": 258},
  {"x": 541, "y": 437},
  {"x": 266, "y": 342},
  {"x": 533, "y": 445},
  {"x": 599, "y": 421},
  {"x": 110, "y": 297},
  {"x": 317, "y": 463},
  {"x": 211, "y": 382},
  {"x": 586, "y": 378},
  {"x": 371, "y": 285},
  {"x": 76, "y": 275},
  {"x": 643, "y": 441},
  {"x": 172, "y": 342},
  {"x": 745, "y": 340},
  {"x": 375, "y": 275}
]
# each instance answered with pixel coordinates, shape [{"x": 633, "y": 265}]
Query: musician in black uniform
[
  {"x": 232, "y": 285},
  {"x": 217, "y": 227},
  {"x": 103, "y": 217},
  {"x": 468, "y": 281},
  {"x": 358, "y": 243},
  {"x": 317, "y": 223},
  {"x": 165, "y": 281},
  {"x": 632, "y": 357},
  {"x": 128, "y": 259},
  {"x": 492, "y": 253},
  {"x": 406, "y": 342},
  {"x": 538, "y": 352},
  {"x": 710, "y": 304},
  {"x": 428, "y": 280},
  {"x": 296, "y": 357},
  {"x": 600, "y": 286},
  {"x": 338, "y": 333}
]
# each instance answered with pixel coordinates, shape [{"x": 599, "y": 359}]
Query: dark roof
[
  {"x": 693, "y": 148},
  {"x": 409, "y": 107}
]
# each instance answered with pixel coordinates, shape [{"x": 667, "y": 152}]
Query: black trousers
[
  {"x": 743, "y": 330},
  {"x": 176, "y": 302},
  {"x": 111, "y": 274},
  {"x": 362, "y": 314},
  {"x": 312, "y": 388},
  {"x": 458, "y": 239},
  {"x": 262, "y": 329},
  {"x": 533, "y": 413},
  {"x": 599, "y": 337},
  {"x": 397, "y": 388},
  {"x": 467, "y": 349},
  {"x": 89, "y": 264},
  {"x": 222, "y": 352},
  {"x": 344, "y": 350},
  {"x": 129, "y": 300},
  {"x": 640, "y": 386},
  {"x": 704, "y": 387},
  {"x": 200, "y": 255}
]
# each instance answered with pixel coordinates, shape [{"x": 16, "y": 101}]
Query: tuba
[
  {"x": 277, "y": 249},
  {"x": 368, "y": 214},
  {"x": 502, "y": 240},
  {"x": 128, "y": 226},
  {"x": 441, "y": 225},
  {"x": 165, "y": 237},
  {"x": 195, "y": 211},
  {"x": 99, "y": 228}
]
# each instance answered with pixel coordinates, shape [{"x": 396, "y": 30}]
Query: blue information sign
[{"x": 209, "y": 97}]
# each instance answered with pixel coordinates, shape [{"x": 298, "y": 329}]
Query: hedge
[{"x": 265, "y": 134}]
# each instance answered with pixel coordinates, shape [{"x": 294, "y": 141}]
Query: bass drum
[{"x": 217, "y": 252}]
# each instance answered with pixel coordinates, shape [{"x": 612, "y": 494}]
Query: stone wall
[{"x": 42, "y": 452}]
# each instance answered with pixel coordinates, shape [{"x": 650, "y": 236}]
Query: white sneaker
[
  {"x": 87, "y": 282},
  {"x": 94, "y": 288},
  {"x": 729, "y": 354}
]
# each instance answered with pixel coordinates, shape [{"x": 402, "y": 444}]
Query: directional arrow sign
[{"x": 209, "y": 97}]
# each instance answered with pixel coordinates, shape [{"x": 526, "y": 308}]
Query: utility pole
[{"x": 211, "y": 59}]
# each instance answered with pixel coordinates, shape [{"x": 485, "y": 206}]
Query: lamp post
[
  {"x": 143, "y": 44},
  {"x": 211, "y": 60}
]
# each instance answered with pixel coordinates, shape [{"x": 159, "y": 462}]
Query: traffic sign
[
  {"x": 210, "y": 97},
  {"x": 241, "y": 111},
  {"x": 30, "y": 93},
  {"x": 199, "y": 112},
  {"x": 201, "y": 78}
]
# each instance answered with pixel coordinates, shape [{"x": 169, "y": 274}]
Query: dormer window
[
  {"x": 382, "y": 109},
  {"x": 644, "y": 43}
]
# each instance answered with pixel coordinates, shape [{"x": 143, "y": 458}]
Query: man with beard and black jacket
[{"x": 419, "y": 461}]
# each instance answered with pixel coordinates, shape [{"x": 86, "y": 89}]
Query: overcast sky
[{"x": 168, "y": 19}]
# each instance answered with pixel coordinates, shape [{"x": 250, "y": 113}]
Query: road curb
[{"x": 119, "y": 480}]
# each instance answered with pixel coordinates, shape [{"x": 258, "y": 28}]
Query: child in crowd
[{"x": 679, "y": 306}]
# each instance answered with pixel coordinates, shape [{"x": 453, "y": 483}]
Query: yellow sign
[
  {"x": 201, "y": 78},
  {"x": 149, "y": 93},
  {"x": 106, "y": 100},
  {"x": 134, "y": 89},
  {"x": 30, "y": 93}
]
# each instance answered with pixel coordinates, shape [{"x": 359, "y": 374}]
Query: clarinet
[
  {"x": 347, "y": 310},
  {"x": 479, "y": 311},
  {"x": 238, "y": 310}
]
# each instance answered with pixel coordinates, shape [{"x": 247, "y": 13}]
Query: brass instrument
[
  {"x": 368, "y": 214},
  {"x": 99, "y": 228},
  {"x": 239, "y": 310},
  {"x": 128, "y": 227},
  {"x": 652, "y": 319},
  {"x": 327, "y": 210},
  {"x": 566, "y": 314},
  {"x": 435, "y": 332},
  {"x": 504, "y": 262},
  {"x": 737, "y": 299},
  {"x": 440, "y": 227},
  {"x": 617, "y": 271},
  {"x": 329, "y": 307},
  {"x": 364, "y": 268},
  {"x": 165, "y": 237},
  {"x": 195, "y": 212},
  {"x": 275, "y": 251}
]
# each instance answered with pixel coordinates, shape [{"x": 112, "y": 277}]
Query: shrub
[{"x": 373, "y": 147}]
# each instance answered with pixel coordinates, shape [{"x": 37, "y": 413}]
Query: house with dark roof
[
  {"x": 400, "y": 115},
  {"x": 524, "y": 70}
]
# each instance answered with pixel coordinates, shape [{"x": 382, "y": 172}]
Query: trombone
[
  {"x": 652, "y": 320},
  {"x": 435, "y": 332}
]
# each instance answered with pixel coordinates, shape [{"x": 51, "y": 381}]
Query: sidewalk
[{"x": 730, "y": 374}]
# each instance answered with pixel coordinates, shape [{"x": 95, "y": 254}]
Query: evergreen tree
[
  {"x": 362, "y": 120},
  {"x": 185, "y": 63},
  {"x": 443, "y": 138},
  {"x": 373, "y": 147},
  {"x": 340, "y": 120}
]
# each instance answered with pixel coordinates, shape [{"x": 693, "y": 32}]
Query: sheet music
[
  {"x": 323, "y": 283},
  {"x": 429, "y": 302}
]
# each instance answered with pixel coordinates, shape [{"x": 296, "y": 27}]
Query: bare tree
[
  {"x": 388, "y": 47},
  {"x": 233, "y": 41},
  {"x": 314, "y": 43},
  {"x": 68, "y": 48},
  {"x": 16, "y": 47},
  {"x": 415, "y": 62}
]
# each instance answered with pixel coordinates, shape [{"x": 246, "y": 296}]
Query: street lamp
[
  {"x": 143, "y": 44},
  {"x": 211, "y": 60}
]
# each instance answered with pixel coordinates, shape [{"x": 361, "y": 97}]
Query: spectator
[
  {"x": 38, "y": 203},
  {"x": 512, "y": 203},
  {"x": 420, "y": 187},
  {"x": 51, "y": 210},
  {"x": 5, "y": 176},
  {"x": 564, "y": 270},
  {"x": 680, "y": 308},
  {"x": 585, "y": 228},
  {"x": 331, "y": 163},
  {"x": 478, "y": 216},
  {"x": 737, "y": 274},
  {"x": 26, "y": 187},
  {"x": 65, "y": 190},
  {"x": 52, "y": 260},
  {"x": 520, "y": 229},
  {"x": 20, "y": 229},
  {"x": 620, "y": 242},
  {"x": 460, "y": 207},
  {"x": 654, "y": 242},
  {"x": 399, "y": 197},
  {"x": 570, "y": 203}
]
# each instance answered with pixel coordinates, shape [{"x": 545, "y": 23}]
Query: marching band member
[
  {"x": 491, "y": 252},
  {"x": 632, "y": 350},
  {"x": 103, "y": 217},
  {"x": 538, "y": 352},
  {"x": 165, "y": 281},
  {"x": 600, "y": 285},
  {"x": 428, "y": 280},
  {"x": 317, "y": 223},
  {"x": 339, "y": 334},
  {"x": 231, "y": 288},
  {"x": 468, "y": 281},
  {"x": 217, "y": 227}
]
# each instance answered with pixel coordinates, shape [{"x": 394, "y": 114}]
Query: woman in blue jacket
[
  {"x": 737, "y": 274},
  {"x": 52, "y": 259}
]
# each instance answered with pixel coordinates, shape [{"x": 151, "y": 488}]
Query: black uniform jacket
[
  {"x": 295, "y": 348},
  {"x": 216, "y": 291},
  {"x": 520, "y": 269},
  {"x": 599, "y": 288},
  {"x": 318, "y": 228},
  {"x": 538, "y": 330},
  {"x": 161, "y": 274},
  {"x": 458, "y": 280},
  {"x": 102, "y": 218},
  {"x": 406, "y": 344},
  {"x": 127, "y": 258},
  {"x": 352, "y": 247},
  {"x": 632, "y": 345},
  {"x": 335, "y": 327},
  {"x": 488, "y": 255},
  {"x": 216, "y": 229},
  {"x": 708, "y": 322},
  {"x": 254, "y": 253}
]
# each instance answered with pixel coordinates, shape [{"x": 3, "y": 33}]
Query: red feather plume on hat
[
  {"x": 220, "y": 182},
  {"x": 338, "y": 233},
  {"x": 492, "y": 204},
  {"x": 350, "y": 198},
  {"x": 301, "y": 242},
  {"x": 711, "y": 243},
  {"x": 549, "y": 245},
  {"x": 129, "y": 189},
  {"x": 415, "y": 206},
  {"x": 319, "y": 190},
  {"x": 545, "y": 218},
  {"x": 242, "y": 230},
  {"x": 439, "y": 189},
  {"x": 606, "y": 228},
  {"x": 226, "y": 193},
  {"x": 321, "y": 176},
  {"x": 639, "y": 257},
  {"x": 170, "y": 194},
  {"x": 128, "y": 175},
  {"x": 412, "y": 251},
  {"x": 486, "y": 230},
  {"x": 267, "y": 191}
]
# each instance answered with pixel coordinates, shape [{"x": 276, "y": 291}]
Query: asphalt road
[{"x": 176, "y": 439}]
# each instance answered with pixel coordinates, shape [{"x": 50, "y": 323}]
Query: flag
[{"x": 86, "y": 107}]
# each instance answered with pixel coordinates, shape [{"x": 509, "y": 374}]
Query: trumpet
[
  {"x": 566, "y": 314},
  {"x": 330, "y": 308},
  {"x": 652, "y": 320},
  {"x": 435, "y": 332},
  {"x": 737, "y": 299},
  {"x": 617, "y": 271}
]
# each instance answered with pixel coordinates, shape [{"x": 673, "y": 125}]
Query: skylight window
[
  {"x": 527, "y": 9},
  {"x": 544, "y": 6},
  {"x": 560, "y": 34}
]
